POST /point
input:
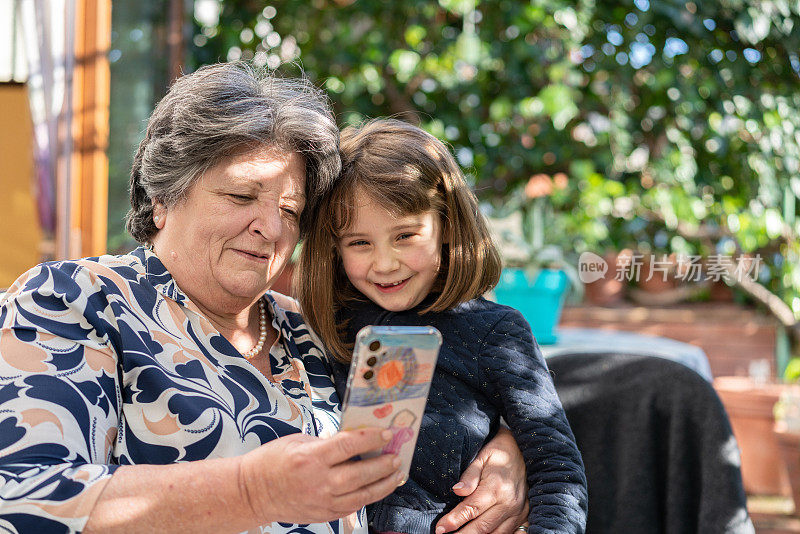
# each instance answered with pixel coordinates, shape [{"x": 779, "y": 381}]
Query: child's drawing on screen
[
  {"x": 401, "y": 431},
  {"x": 388, "y": 375}
]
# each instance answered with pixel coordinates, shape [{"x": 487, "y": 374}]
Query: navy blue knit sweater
[{"x": 489, "y": 367}]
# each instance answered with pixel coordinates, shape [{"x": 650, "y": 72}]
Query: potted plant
[
  {"x": 749, "y": 403},
  {"x": 787, "y": 429},
  {"x": 607, "y": 290},
  {"x": 536, "y": 276},
  {"x": 765, "y": 415}
]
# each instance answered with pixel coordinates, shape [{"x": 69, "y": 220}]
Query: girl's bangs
[{"x": 398, "y": 196}]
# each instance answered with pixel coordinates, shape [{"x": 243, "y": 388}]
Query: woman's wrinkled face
[{"x": 230, "y": 238}]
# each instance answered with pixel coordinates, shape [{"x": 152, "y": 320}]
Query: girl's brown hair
[{"x": 408, "y": 171}]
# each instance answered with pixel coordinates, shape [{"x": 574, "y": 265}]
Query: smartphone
[{"x": 388, "y": 384}]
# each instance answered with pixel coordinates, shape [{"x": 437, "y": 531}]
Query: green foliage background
[{"x": 677, "y": 123}]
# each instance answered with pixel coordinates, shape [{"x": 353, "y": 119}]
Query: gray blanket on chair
[{"x": 659, "y": 452}]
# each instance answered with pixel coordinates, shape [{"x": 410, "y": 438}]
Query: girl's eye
[
  {"x": 406, "y": 235},
  {"x": 357, "y": 243}
]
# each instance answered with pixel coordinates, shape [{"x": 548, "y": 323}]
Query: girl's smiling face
[{"x": 393, "y": 260}]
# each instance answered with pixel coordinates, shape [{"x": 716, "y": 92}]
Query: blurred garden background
[{"x": 659, "y": 127}]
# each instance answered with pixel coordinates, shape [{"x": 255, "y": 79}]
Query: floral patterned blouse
[{"x": 105, "y": 362}]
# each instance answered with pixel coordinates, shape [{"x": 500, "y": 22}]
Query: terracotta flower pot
[
  {"x": 750, "y": 409},
  {"x": 789, "y": 444},
  {"x": 652, "y": 279},
  {"x": 720, "y": 292},
  {"x": 607, "y": 291}
]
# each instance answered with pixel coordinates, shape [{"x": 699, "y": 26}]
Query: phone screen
[{"x": 388, "y": 384}]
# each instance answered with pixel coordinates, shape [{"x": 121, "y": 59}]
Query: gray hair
[{"x": 209, "y": 115}]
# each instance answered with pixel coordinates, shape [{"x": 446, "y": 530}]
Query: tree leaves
[{"x": 665, "y": 114}]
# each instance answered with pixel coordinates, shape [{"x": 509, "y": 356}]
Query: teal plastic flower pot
[{"x": 540, "y": 300}]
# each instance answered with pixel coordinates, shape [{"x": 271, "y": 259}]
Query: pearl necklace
[
  {"x": 262, "y": 319},
  {"x": 262, "y": 334}
]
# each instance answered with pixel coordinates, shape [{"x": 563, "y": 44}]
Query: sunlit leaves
[
  {"x": 753, "y": 25},
  {"x": 559, "y": 102},
  {"x": 404, "y": 63},
  {"x": 659, "y": 112}
]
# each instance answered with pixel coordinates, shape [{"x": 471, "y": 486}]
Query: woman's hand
[
  {"x": 294, "y": 479},
  {"x": 495, "y": 491},
  {"x": 303, "y": 479}
]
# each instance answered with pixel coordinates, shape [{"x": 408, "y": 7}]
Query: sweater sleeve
[
  {"x": 525, "y": 395},
  {"x": 58, "y": 402}
]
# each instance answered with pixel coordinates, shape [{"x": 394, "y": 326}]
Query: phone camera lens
[
  {"x": 372, "y": 361},
  {"x": 375, "y": 345},
  {"x": 368, "y": 375}
]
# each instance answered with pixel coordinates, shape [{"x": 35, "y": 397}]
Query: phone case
[{"x": 388, "y": 384}]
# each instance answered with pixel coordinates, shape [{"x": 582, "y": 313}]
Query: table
[{"x": 593, "y": 340}]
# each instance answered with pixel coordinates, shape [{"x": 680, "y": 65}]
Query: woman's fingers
[
  {"x": 470, "y": 477},
  {"x": 303, "y": 479},
  {"x": 473, "y": 515},
  {"x": 482, "y": 516},
  {"x": 370, "y": 493},
  {"x": 509, "y": 526},
  {"x": 488, "y": 509},
  {"x": 349, "y": 443},
  {"x": 500, "y": 496},
  {"x": 352, "y": 475}
]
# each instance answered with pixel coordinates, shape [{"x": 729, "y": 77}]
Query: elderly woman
[{"x": 166, "y": 389}]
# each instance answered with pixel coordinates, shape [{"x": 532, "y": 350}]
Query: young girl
[{"x": 400, "y": 241}]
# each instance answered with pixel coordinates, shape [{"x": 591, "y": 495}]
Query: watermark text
[{"x": 685, "y": 268}]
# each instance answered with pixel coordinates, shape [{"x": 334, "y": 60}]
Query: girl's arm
[{"x": 526, "y": 396}]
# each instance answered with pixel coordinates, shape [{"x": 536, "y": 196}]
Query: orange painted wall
[{"x": 20, "y": 235}]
